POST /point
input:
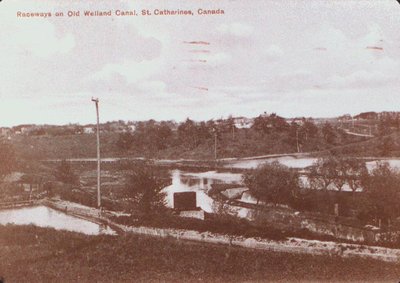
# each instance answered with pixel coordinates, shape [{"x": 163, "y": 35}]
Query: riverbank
[
  {"x": 32, "y": 254},
  {"x": 290, "y": 245}
]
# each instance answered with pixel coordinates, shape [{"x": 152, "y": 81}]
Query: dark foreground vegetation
[{"x": 32, "y": 254}]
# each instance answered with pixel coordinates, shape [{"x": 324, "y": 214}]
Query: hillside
[
  {"x": 365, "y": 135},
  {"x": 32, "y": 254}
]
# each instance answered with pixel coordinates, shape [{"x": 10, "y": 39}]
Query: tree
[
  {"x": 65, "y": 174},
  {"x": 125, "y": 141},
  {"x": 267, "y": 124},
  {"x": 354, "y": 171},
  {"x": 328, "y": 133},
  {"x": 7, "y": 156},
  {"x": 294, "y": 137},
  {"x": 384, "y": 126},
  {"x": 309, "y": 129},
  {"x": 383, "y": 191},
  {"x": 386, "y": 146},
  {"x": 323, "y": 173},
  {"x": 187, "y": 134},
  {"x": 144, "y": 186},
  {"x": 340, "y": 174},
  {"x": 272, "y": 182},
  {"x": 162, "y": 135}
]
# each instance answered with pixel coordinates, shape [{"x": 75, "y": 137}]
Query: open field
[{"x": 32, "y": 254}]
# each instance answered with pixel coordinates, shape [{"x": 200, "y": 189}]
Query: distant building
[
  {"x": 23, "y": 129},
  {"x": 243, "y": 122},
  {"x": 185, "y": 205},
  {"x": 5, "y": 131},
  {"x": 185, "y": 201},
  {"x": 27, "y": 182},
  {"x": 298, "y": 121},
  {"x": 88, "y": 130},
  {"x": 367, "y": 116},
  {"x": 345, "y": 118},
  {"x": 30, "y": 182}
]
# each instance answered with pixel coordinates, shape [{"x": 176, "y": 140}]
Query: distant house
[
  {"x": 367, "y": 116},
  {"x": 5, "y": 131},
  {"x": 243, "y": 122},
  {"x": 88, "y": 130},
  {"x": 23, "y": 129},
  {"x": 27, "y": 182},
  {"x": 345, "y": 118},
  {"x": 298, "y": 121},
  {"x": 30, "y": 182}
]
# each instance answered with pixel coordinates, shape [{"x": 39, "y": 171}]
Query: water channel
[
  {"x": 201, "y": 182},
  {"x": 43, "y": 216},
  {"x": 289, "y": 161}
]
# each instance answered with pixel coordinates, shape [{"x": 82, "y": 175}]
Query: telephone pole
[
  {"x": 215, "y": 147},
  {"x": 297, "y": 140},
  {"x": 96, "y": 101},
  {"x": 215, "y": 144}
]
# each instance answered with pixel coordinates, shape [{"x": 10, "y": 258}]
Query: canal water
[
  {"x": 200, "y": 183},
  {"x": 289, "y": 161},
  {"x": 43, "y": 216}
]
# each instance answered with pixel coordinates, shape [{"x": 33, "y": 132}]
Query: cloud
[
  {"x": 274, "y": 56},
  {"x": 236, "y": 29},
  {"x": 152, "y": 86},
  {"x": 217, "y": 59},
  {"x": 207, "y": 60},
  {"x": 361, "y": 79},
  {"x": 273, "y": 51},
  {"x": 45, "y": 43},
  {"x": 132, "y": 71},
  {"x": 36, "y": 36}
]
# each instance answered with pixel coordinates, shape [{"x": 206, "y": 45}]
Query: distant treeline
[
  {"x": 233, "y": 137},
  {"x": 268, "y": 134}
]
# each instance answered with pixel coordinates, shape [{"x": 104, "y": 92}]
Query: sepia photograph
[{"x": 200, "y": 140}]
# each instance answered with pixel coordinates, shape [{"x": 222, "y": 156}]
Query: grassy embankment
[{"x": 32, "y": 254}]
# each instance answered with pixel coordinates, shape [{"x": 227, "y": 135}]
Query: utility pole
[
  {"x": 297, "y": 140},
  {"x": 96, "y": 101},
  {"x": 215, "y": 144}
]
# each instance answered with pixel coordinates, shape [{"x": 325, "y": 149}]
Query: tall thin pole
[
  {"x": 215, "y": 146},
  {"x": 96, "y": 101}
]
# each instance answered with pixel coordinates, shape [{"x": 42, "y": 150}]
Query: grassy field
[{"x": 32, "y": 254}]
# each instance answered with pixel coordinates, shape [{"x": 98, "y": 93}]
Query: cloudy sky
[{"x": 296, "y": 58}]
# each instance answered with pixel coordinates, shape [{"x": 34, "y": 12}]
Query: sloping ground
[
  {"x": 68, "y": 146},
  {"x": 291, "y": 245},
  {"x": 31, "y": 254}
]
